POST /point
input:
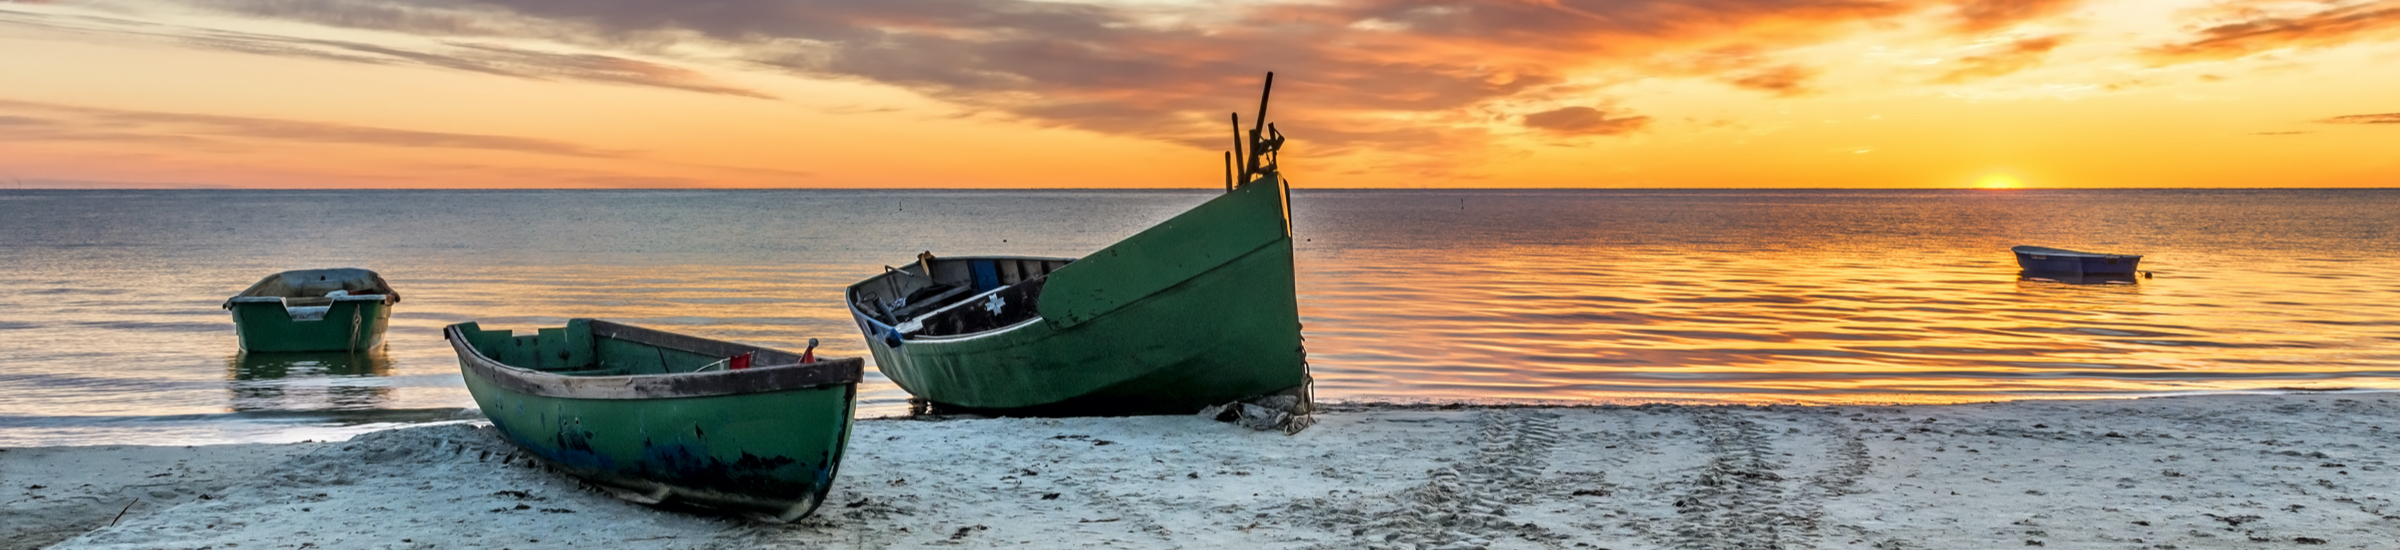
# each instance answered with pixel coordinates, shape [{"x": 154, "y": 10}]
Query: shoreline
[{"x": 2217, "y": 471}]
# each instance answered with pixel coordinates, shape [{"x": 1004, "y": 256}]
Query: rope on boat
[{"x": 719, "y": 363}]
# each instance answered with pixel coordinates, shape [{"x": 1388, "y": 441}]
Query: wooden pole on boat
[
  {"x": 1237, "y": 145},
  {"x": 1228, "y": 171},
  {"x": 1259, "y": 123}
]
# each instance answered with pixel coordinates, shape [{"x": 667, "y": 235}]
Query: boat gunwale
[
  {"x": 277, "y": 300},
  {"x": 755, "y": 380},
  {"x": 2064, "y": 253},
  {"x": 976, "y": 335}
]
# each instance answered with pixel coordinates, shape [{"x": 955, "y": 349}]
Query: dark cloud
[
  {"x": 1584, "y": 121},
  {"x": 68, "y": 122},
  {"x": 2258, "y": 32},
  {"x": 1786, "y": 80},
  {"x": 2385, "y": 118},
  {"x": 2018, "y": 55},
  {"x": 425, "y": 17}
]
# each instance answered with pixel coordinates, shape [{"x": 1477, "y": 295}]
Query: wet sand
[{"x": 2304, "y": 471}]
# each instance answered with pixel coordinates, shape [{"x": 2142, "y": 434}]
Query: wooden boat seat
[
  {"x": 998, "y": 308},
  {"x": 921, "y": 301}
]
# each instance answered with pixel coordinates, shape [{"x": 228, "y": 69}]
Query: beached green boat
[
  {"x": 1196, "y": 311},
  {"x": 660, "y": 416},
  {"x": 342, "y": 309}
]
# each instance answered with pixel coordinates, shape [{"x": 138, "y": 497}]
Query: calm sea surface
[{"x": 110, "y": 330}]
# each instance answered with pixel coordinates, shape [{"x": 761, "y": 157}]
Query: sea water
[{"x": 111, "y": 329}]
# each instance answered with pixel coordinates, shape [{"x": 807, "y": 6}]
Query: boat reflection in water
[
  {"x": 308, "y": 381},
  {"x": 2074, "y": 278}
]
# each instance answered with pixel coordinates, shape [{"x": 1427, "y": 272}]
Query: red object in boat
[{"x": 739, "y": 362}]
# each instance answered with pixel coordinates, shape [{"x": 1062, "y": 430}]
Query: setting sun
[{"x": 1999, "y": 181}]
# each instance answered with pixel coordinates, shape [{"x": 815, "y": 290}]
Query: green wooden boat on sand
[
  {"x": 342, "y": 309},
  {"x": 1195, "y": 312},
  {"x": 663, "y": 417}
]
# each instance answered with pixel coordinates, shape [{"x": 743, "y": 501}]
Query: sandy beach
[{"x": 2233, "y": 471}]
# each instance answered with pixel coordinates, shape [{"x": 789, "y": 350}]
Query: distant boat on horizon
[{"x": 2045, "y": 260}]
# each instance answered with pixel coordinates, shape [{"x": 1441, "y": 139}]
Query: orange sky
[{"x": 1134, "y": 93}]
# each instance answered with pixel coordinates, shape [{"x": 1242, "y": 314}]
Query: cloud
[
  {"x": 2266, "y": 27},
  {"x": 2385, "y": 118},
  {"x": 2018, "y": 55},
  {"x": 1584, "y": 121},
  {"x": 1785, "y": 80},
  {"x": 1353, "y": 71},
  {"x": 639, "y": 182},
  {"x": 462, "y": 56},
  {"x": 594, "y": 67},
  {"x": 1986, "y": 15},
  {"x": 1389, "y": 78},
  {"x": 69, "y": 122},
  {"x": 111, "y": 184},
  {"x": 1746, "y": 65}
]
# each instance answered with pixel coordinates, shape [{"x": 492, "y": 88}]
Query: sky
[{"x": 1137, "y": 93}]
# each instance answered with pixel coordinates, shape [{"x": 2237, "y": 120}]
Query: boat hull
[
  {"x": 1197, "y": 311},
  {"x": 2051, "y": 260},
  {"x": 735, "y": 440},
  {"x": 347, "y": 325}
]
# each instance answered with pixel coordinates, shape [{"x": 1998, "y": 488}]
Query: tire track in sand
[
  {"x": 1747, "y": 498},
  {"x": 1462, "y": 506}
]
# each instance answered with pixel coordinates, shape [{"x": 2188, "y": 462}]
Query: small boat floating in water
[
  {"x": 344, "y": 309},
  {"x": 2035, "y": 259},
  {"x": 658, "y": 416},
  {"x": 1196, "y": 312}
]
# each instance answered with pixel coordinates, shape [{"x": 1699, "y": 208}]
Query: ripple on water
[{"x": 1586, "y": 296}]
